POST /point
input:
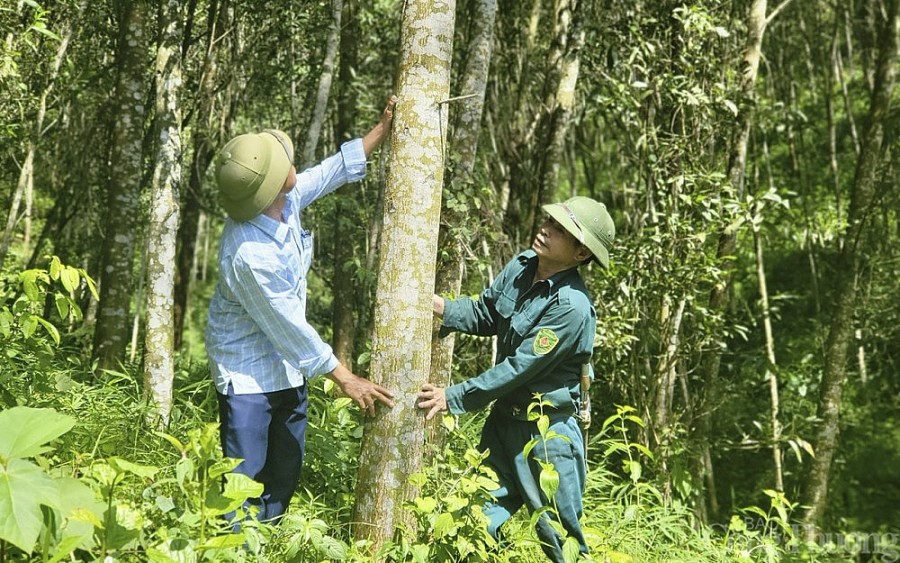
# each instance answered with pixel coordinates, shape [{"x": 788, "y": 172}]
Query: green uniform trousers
[{"x": 505, "y": 437}]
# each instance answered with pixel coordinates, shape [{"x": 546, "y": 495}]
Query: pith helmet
[
  {"x": 250, "y": 171},
  {"x": 589, "y": 222}
]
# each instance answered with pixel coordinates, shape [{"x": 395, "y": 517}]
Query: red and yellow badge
[{"x": 545, "y": 341}]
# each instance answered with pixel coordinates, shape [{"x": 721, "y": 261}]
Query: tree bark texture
[
  {"x": 393, "y": 443},
  {"x": 162, "y": 228},
  {"x": 123, "y": 192},
  {"x": 564, "y": 64},
  {"x": 852, "y": 260},
  {"x": 464, "y": 147}
]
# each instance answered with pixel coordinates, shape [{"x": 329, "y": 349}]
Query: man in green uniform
[{"x": 545, "y": 322}]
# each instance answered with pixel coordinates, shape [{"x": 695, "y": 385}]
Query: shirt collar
[
  {"x": 276, "y": 230},
  {"x": 528, "y": 260}
]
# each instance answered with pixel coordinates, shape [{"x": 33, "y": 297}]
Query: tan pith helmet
[{"x": 250, "y": 171}]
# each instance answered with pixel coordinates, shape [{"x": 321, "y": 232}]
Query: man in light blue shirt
[{"x": 261, "y": 348}]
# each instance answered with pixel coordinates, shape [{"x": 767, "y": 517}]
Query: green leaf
[
  {"x": 62, "y": 305},
  {"x": 239, "y": 486},
  {"x": 26, "y": 430},
  {"x": 549, "y": 480},
  {"x": 54, "y": 332},
  {"x": 123, "y": 466},
  {"x": 427, "y": 505},
  {"x": 55, "y": 267},
  {"x": 444, "y": 525},
  {"x": 543, "y": 424},
  {"x": 24, "y": 487},
  {"x": 455, "y": 503},
  {"x": 70, "y": 278},
  {"x": 222, "y": 466}
]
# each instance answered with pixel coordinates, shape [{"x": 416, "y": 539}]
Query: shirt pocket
[
  {"x": 519, "y": 320},
  {"x": 306, "y": 251}
]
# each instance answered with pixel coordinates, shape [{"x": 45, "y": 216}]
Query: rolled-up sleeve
[
  {"x": 347, "y": 165},
  {"x": 529, "y": 361},
  {"x": 271, "y": 300}
]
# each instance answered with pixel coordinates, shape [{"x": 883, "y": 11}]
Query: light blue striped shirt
[{"x": 257, "y": 335}]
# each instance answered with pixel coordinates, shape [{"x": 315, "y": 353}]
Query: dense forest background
[{"x": 748, "y": 344}]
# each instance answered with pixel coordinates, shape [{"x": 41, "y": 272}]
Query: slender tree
[
  {"x": 737, "y": 157},
  {"x": 463, "y": 145},
  {"x": 323, "y": 90},
  {"x": 346, "y": 216},
  {"x": 852, "y": 261},
  {"x": 162, "y": 228},
  {"x": 393, "y": 442},
  {"x": 124, "y": 185}
]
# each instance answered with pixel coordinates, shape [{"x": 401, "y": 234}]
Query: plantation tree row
[{"x": 745, "y": 148}]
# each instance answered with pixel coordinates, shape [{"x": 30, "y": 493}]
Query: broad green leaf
[
  {"x": 27, "y": 429},
  {"x": 69, "y": 278},
  {"x": 543, "y": 424},
  {"x": 570, "y": 550},
  {"x": 62, "y": 305},
  {"x": 239, "y": 486},
  {"x": 52, "y": 330},
  {"x": 24, "y": 487},
  {"x": 444, "y": 525},
  {"x": 549, "y": 480},
  {"x": 426, "y": 505},
  {"x": 81, "y": 513},
  {"x": 55, "y": 267},
  {"x": 331, "y": 549},
  {"x": 455, "y": 503}
]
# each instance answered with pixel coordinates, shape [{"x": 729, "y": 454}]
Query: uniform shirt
[
  {"x": 545, "y": 332},
  {"x": 257, "y": 336}
]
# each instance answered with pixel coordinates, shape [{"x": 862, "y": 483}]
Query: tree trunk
[
  {"x": 204, "y": 139},
  {"x": 771, "y": 376},
  {"x": 464, "y": 146},
  {"x": 25, "y": 185},
  {"x": 393, "y": 443},
  {"x": 852, "y": 261},
  {"x": 123, "y": 193},
  {"x": 344, "y": 288},
  {"x": 719, "y": 295},
  {"x": 162, "y": 230},
  {"x": 564, "y": 64},
  {"x": 314, "y": 129}
]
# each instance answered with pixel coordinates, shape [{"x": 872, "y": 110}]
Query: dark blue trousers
[{"x": 267, "y": 431}]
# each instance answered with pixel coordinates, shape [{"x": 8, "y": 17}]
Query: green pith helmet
[
  {"x": 250, "y": 171},
  {"x": 589, "y": 222}
]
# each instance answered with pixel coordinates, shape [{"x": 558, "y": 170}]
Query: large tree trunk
[
  {"x": 162, "y": 229},
  {"x": 123, "y": 193},
  {"x": 852, "y": 260},
  {"x": 464, "y": 146},
  {"x": 393, "y": 443}
]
